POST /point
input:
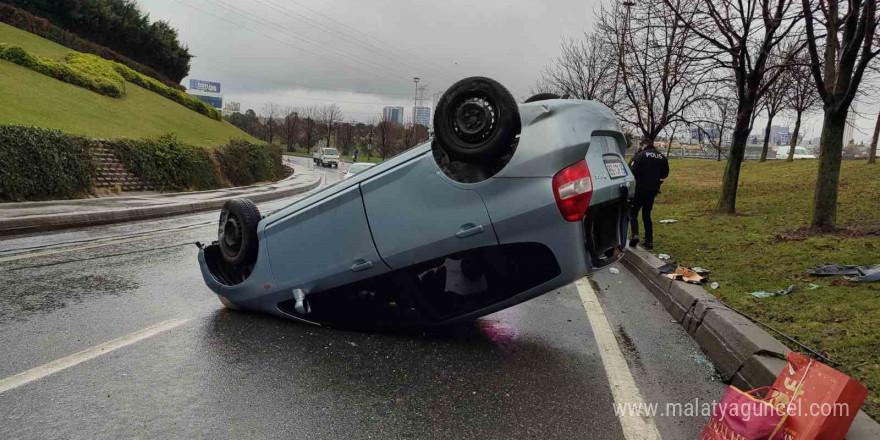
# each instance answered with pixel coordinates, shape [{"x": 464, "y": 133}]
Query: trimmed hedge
[
  {"x": 82, "y": 72},
  {"x": 243, "y": 163},
  {"x": 41, "y": 164},
  {"x": 167, "y": 163},
  {"x": 24, "y": 20},
  {"x": 99, "y": 75}
]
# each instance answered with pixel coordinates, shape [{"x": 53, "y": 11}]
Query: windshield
[
  {"x": 357, "y": 168},
  {"x": 331, "y": 152}
]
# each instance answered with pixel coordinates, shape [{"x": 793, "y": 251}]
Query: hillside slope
[{"x": 30, "y": 98}]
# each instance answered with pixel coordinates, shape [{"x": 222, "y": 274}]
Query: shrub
[
  {"x": 86, "y": 74},
  {"x": 41, "y": 164},
  {"x": 243, "y": 163},
  {"x": 40, "y": 26},
  {"x": 102, "y": 76},
  {"x": 167, "y": 163}
]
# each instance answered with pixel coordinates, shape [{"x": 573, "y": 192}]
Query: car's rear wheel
[
  {"x": 237, "y": 232},
  {"x": 477, "y": 120}
]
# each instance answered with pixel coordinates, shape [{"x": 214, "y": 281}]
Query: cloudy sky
[{"x": 363, "y": 54}]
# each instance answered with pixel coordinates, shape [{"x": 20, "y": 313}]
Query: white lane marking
[
  {"x": 623, "y": 386},
  {"x": 55, "y": 366}
]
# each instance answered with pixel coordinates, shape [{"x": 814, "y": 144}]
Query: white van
[{"x": 799, "y": 153}]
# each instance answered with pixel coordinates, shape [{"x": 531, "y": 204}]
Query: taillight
[{"x": 573, "y": 189}]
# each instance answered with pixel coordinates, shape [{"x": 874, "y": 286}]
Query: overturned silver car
[{"x": 506, "y": 203}]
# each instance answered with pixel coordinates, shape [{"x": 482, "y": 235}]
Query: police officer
[{"x": 649, "y": 167}]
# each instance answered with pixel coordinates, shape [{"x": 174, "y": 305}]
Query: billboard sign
[
  {"x": 213, "y": 101},
  {"x": 204, "y": 86}
]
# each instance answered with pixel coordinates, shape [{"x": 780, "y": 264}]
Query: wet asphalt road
[{"x": 531, "y": 371}]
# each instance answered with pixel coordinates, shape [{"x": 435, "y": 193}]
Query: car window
[
  {"x": 801, "y": 151},
  {"x": 330, "y": 151}
]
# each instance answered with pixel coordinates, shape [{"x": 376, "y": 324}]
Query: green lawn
[
  {"x": 756, "y": 249},
  {"x": 30, "y": 98}
]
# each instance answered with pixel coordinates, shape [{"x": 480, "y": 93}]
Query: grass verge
[{"x": 764, "y": 247}]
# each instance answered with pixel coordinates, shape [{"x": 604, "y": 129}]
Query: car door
[
  {"x": 325, "y": 245},
  {"x": 416, "y": 214}
]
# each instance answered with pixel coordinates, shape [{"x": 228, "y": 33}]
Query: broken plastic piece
[
  {"x": 763, "y": 294},
  {"x": 714, "y": 285},
  {"x": 686, "y": 275},
  {"x": 614, "y": 270},
  {"x": 668, "y": 220},
  {"x": 664, "y": 256},
  {"x": 701, "y": 271},
  {"x": 869, "y": 273}
]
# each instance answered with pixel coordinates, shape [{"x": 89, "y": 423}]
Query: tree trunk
[
  {"x": 767, "y": 137},
  {"x": 729, "y": 184},
  {"x": 872, "y": 157},
  {"x": 794, "y": 138},
  {"x": 828, "y": 177}
]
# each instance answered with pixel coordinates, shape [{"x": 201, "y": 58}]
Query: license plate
[{"x": 615, "y": 169}]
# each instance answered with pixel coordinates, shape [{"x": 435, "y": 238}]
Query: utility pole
[{"x": 415, "y": 97}]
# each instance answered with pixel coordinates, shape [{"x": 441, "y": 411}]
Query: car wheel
[
  {"x": 542, "y": 97},
  {"x": 238, "y": 231},
  {"x": 477, "y": 120}
]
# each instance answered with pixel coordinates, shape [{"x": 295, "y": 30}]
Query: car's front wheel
[{"x": 237, "y": 232}]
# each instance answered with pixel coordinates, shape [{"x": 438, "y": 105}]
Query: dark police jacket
[{"x": 649, "y": 167}]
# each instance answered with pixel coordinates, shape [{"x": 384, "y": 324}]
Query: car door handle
[
  {"x": 469, "y": 230},
  {"x": 360, "y": 265}
]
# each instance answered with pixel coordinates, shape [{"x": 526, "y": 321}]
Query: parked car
[
  {"x": 326, "y": 157},
  {"x": 357, "y": 168},
  {"x": 799, "y": 153},
  {"x": 506, "y": 203}
]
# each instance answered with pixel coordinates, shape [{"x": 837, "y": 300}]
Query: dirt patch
[{"x": 805, "y": 232}]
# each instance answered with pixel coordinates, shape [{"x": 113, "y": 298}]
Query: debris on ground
[
  {"x": 664, "y": 256},
  {"x": 869, "y": 273},
  {"x": 763, "y": 294},
  {"x": 701, "y": 271},
  {"x": 686, "y": 275},
  {"x": 614, "y": 270},
  {"x": 714, "y": 285},
  {"x": 814, "y": 286},
  {"x": 667, "y": 268},
  {"x": 668, "y": 220}
]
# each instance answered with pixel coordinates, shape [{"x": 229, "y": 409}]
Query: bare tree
[
  {"x": 584, "y": 69},
  {"x": 802, "y": 97},
  {"x": 290, "y": 126},
  {"x": 270, "y": 113},
  {"x": 310, "y": 127},
  {"x": 660, "y": 61},
  {"x": 345, "y": 137},
  {"x": 715, "y": 120},
  {"x": 329, "y": 115},
  {"x": 849, "y": 32},
  {"x": 872, "y": 156},
  {"x": 774, "y": 102},
  {"x": 372, "y": 123},
  {"x": 385, "y": 135},
  {"x": 741, "y": 35}
]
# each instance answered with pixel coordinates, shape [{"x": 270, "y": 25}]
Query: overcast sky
[{"x": 363, "y": 54}]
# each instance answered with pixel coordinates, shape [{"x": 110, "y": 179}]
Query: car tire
[
  {"x": 237, "y": 232},
  {"x": 477, "y": 120},
  {"x": 542, "y": 97}
]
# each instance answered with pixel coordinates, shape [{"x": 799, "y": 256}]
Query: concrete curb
[
  {"x": 52, "y": 222},
  {"x": 747, "y": 356}
]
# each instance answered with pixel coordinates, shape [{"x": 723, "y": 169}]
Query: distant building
[
  {"x": 422, "y": 116},
  {"x": 231, "y": 107},
  {"x": 779, "y": 135},
  {"x": 207, "y": 91},
  {"x": 393, "y": 114}
]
